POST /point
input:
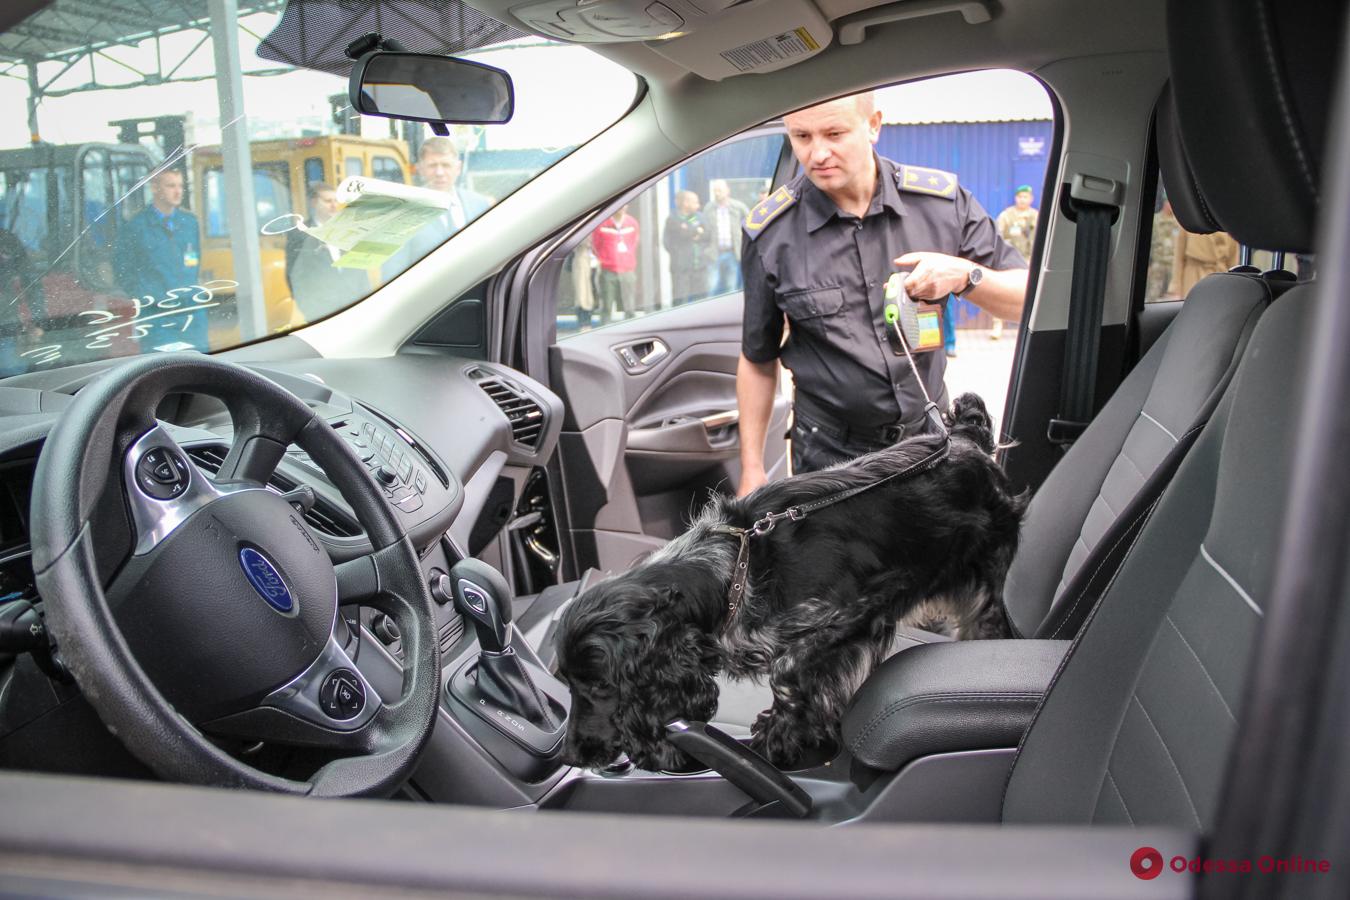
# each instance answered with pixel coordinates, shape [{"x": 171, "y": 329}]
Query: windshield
[{"x": 171, "y": 189}]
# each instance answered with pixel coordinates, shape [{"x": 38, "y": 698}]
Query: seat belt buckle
[{"x": 1064, "y": 432}]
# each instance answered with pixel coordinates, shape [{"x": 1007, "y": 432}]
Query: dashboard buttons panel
[{"x": 390, "y": 456}]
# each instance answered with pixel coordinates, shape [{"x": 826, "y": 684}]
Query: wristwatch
[{"x": 973, "y": 279}]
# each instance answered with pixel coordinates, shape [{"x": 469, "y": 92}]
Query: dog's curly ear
[
  {"x": 675, "y": 680},
  {"x": 970, "y": 418}
]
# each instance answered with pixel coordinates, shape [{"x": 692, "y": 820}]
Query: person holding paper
[
  {"x": 439, "y": 166},
  {"x": 318, "y": 287}
]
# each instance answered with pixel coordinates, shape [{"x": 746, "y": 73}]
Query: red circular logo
[{"x": 1146, "y": 863}]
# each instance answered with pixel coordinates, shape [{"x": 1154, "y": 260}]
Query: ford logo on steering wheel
[{"x": 266, "y": 580}]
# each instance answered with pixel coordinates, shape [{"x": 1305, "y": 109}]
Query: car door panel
[{"x": 643, "y": 446}]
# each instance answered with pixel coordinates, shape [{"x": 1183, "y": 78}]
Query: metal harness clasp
[{"x": 771, "y": 520}]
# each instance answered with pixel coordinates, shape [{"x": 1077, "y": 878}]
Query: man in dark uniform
[{"x": 817, "y": 254}]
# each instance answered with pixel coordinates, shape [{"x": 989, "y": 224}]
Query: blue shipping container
[{"x": 991, "y": 159}]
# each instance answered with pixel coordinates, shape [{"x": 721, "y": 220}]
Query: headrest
[
  {"x": 1190, "y": 209},
  {"x": 1252, "y": 83}
]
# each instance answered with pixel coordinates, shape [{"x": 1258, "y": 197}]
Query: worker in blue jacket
[{"x": 158, "y": 256}]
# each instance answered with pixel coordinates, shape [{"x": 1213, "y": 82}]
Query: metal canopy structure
[
  {"x": 75, "y": 32},
  {"x": 71, "y": 33}
]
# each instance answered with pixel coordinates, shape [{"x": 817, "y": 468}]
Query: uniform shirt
[
  {"x": 615, "y": 244},
  {"x": 157, "y": 253},
  {"x": 825, "y": 271}
]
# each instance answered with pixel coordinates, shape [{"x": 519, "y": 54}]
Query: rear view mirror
[{"x": 423, "y": 87}]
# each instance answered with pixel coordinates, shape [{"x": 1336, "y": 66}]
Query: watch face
[{"x": 976, "y": 276}]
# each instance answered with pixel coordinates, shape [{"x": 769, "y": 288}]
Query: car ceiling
[{"x": 1025, "y": 34}]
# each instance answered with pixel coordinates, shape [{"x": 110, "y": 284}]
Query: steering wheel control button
[
  {"x": 342, "y": 697},
  {"x": 267, "y": 581},
  {"x": 161, "y": 474}
]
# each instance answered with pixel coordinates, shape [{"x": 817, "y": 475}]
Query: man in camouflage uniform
[
  {"x": 1017, "y": 226},
  {"x": 1161, "y": 254}
]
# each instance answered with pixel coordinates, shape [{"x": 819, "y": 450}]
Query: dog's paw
[{"x": 775, "y": 738}]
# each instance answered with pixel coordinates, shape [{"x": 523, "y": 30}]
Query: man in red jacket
[{"x": 615, "y": 245}]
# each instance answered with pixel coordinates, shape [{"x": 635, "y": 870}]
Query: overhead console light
[
  {"x": 612, "y": 21},
  {"x": 711, "y": 38}
]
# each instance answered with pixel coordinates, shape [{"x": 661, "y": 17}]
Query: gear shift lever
[{"x": 482, "y": 595}]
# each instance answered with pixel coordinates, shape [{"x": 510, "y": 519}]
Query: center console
[{"x": 930, "y": 736}]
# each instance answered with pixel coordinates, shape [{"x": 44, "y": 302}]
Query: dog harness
[{"x": 741, "y": 571}]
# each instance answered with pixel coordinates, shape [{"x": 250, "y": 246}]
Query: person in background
[
  {"x": 318, "y": 285},
  {"x": 439, "y": 166},
  {"x": 1161, "y": 254},
  {"x": 1198, "y": 255},
  {"x": 158, "y": 250},
  {"x": 615, "y": 245},
  {"x": 686, "y": 240},
  {"x": 22, "y": 322},
  {"x": 1017, "y": 225},
  {"x": 583, "y": 282},
  {"x": 723, "y": 217}
]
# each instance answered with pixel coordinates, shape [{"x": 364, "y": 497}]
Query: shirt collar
[{"x": 821, "y": 209}]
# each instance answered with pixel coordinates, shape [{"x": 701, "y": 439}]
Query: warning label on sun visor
[{"x": 777, "y": 49}]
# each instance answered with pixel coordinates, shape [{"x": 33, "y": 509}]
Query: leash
[{"x": 766, "y": 524}]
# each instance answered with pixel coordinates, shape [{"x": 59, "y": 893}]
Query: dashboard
[{"x": 442, "y": 436}]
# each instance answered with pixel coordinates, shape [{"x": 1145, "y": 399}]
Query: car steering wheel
[{"x": 186, "y": 607}]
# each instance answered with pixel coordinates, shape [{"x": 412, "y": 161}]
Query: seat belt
[{"x": 1093, "y": 204}]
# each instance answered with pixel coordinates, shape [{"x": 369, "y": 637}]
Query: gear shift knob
[{"x": 481, "y": 594}]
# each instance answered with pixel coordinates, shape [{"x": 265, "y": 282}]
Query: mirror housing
[{"x": 424, "y": 87}]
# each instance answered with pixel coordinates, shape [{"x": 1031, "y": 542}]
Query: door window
[
  {"x": 353, "y": 166},
  {"x": 271, "y": 196},
  {"x": 313, "y": 170},
  {"x": 675, "y": 243},
  {"x": 386, "y": 168}
]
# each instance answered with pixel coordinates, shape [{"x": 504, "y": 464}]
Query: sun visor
[
  {"x": 711, "y": 38},
  {"x": 314, "y": 34}
]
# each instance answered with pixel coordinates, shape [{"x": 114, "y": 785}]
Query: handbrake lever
[{"x": 775, "y": 795}]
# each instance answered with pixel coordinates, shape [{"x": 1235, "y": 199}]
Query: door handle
[
  {"x": 717, "y": 420},
  {"x": 641, "y": 355}
]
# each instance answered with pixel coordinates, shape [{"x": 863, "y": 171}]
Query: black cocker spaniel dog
[{"x": 819, "y": 607}]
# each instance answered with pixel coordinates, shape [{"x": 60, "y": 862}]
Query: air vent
[
  {"x": 525, "y": 415},
  {"x": 323, "y": 517}
]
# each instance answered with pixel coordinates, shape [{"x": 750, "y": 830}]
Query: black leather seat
[
  {"x": 1137, "y": 723},
  {"x": 1093, "y": 500}
]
